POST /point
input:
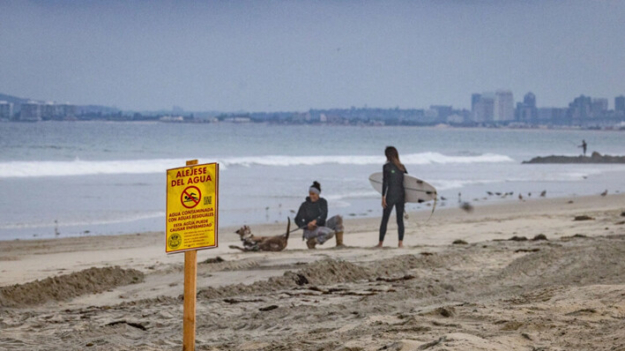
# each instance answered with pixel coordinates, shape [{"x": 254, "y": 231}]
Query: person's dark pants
[{"x": 399, "y": 211}]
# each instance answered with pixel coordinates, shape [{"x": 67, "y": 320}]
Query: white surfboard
[{"x": 416, "y": 189}]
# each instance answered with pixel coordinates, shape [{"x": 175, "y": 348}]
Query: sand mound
[
  {"x": 324, "y": 272},
  {"x": 65, "y": 287},
  {"x": 601, "y": 263},
  {"x": 328, "y": 272},
  {"x": 317, "y": 273},
  {"x": 403, "y": 263}
]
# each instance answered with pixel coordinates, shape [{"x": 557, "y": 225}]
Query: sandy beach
[{"x": 484, "y": 292}]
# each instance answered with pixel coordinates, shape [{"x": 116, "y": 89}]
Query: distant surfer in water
[
  {"x": 312, "y": 216},
  {"x": 393, "y": 193}
]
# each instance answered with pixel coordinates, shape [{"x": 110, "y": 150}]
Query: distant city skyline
[
  {"x": 296, "y": 56},
  {"x": 487, "y": 109}
]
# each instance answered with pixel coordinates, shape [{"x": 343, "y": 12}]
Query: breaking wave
[{"x": 20, "y": 169}]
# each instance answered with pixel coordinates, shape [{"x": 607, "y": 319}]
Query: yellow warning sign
[{"x": 192, "y": 203}]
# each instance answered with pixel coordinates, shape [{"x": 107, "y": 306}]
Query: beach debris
[
  {"x": 396, "y": 346},
  {"x": 433, "y": 343},
  {"x": 213, "y": 260},
  {"x": 539, "y": 237},
  {"x": 459, "y": 242},
  {"x": 131, "y": 324},
  {"x": 582, "y": 312},
  {"x": 445, "y": 311},
  {"x": 300, "y": 279},
  {"x": 518, "y": 238},
  {"x": 235, "y": 301},
  {"x": 467, "y": 207},
  {"x": 268, "y": 308},
  {"x": 527, "y": 250},
  {"x": 620, "y": 223},
  {"x": 623, "y": 214},
  {"x": 570, "y": 202},
  {"x": 583, "y": 218},
  {"x": 604, "y": 193},
  {"x": 576, "y": 236},
  {"x": 525, "y": 335},
  {"x": 390, "y": 280}
]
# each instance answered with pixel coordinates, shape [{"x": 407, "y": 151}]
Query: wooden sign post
[
  {"x": 191, "y": 225},
  {"x": 190, "y": 296}
]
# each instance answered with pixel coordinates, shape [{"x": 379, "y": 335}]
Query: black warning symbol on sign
[{"x": 190, "y": 197}]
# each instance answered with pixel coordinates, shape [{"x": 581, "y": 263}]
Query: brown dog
[{"x": 262, "y": 243}]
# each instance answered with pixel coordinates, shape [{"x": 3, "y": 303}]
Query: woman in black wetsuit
[{"x": 393, "y": 193}]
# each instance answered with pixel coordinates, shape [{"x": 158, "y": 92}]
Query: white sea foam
[
  {"x": 20, "y": 169},
  {"x": 353, "y": 195},
  {"x": 441, "y": 185},
  {"x": 572, "y": 175}
]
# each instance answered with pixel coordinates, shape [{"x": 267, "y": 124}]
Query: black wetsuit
[
  {"x": 310, "y": 211},
  {"x": 393, "y": 190}
]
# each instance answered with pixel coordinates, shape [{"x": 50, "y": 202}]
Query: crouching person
[{"x": 312, "y": 216}]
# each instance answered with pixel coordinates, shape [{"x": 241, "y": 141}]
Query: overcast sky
[{"x": 297, "y": 55}]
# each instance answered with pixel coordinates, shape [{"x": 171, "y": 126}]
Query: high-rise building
[
  {"x": 69, "y": 111},
  {"x": 526, "y": 111},
  {"x": 530, "y": 100},
  {"x": 552, "y": 115},
  {"x": 31, "y": 112},
  {"x": 48, "y": 110},
  {"x": 6, "y": 110},
  {"x": 619, "y": 103},
  {"x": 580, "y": 109},
  {"x": 475, "y": 99},
  {"x": 51, "y": 110},
  {"x": 482, "y": 107},
  {"x": 504, "y": 106},
  {"x": 599, "y": 107},
  {"x": 442, "y": 112}
]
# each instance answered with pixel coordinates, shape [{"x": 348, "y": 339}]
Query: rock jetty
[{"x": 594, "y": 158}]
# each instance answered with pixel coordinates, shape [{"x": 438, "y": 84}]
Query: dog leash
[{"x": 298, "y": 229}]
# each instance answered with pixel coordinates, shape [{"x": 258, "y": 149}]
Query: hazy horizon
[{"x": 294, "y": 56}]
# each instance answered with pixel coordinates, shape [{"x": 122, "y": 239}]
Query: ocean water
[{"x": 99, "y": 178}]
